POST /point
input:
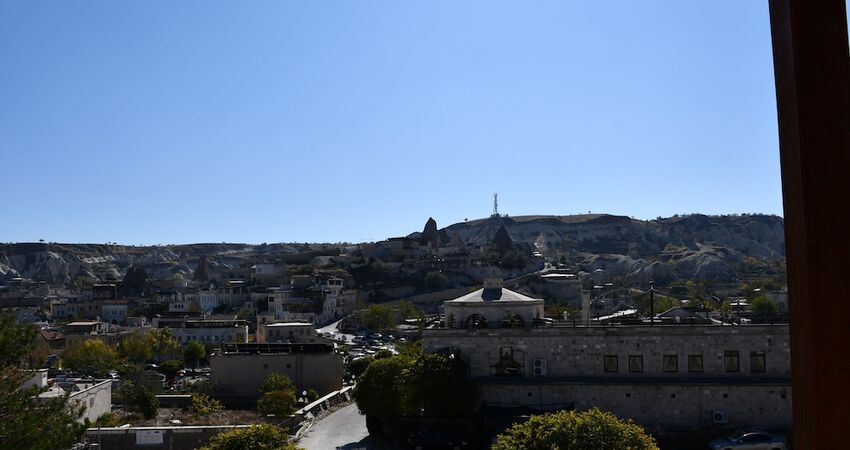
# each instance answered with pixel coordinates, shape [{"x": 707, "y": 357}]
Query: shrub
[
  {"x": 312, "y": 395},
  {"x": 107, "y": 419},
  {"x": 255, "y": 437},
  {"x": 203, "y": 405},
  {"x": 277, "y": 382},
  {"x": 278, "y": 403},
  {"x": 575, "y": 430}
]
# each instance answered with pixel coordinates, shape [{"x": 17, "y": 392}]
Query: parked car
[
  {"x": 436, "y": 439},
  {"x": 750, "y": 440}
]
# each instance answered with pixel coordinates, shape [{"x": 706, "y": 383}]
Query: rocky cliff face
[{"x": 695, "y": 247}]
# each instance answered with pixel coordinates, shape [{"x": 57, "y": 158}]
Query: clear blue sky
[{"x": 174, "y": 122}]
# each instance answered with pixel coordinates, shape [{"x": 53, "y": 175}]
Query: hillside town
[{"x": 533, "y": 330}]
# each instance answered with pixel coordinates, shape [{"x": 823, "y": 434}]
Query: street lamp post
[{"x": 651, "y": 304}]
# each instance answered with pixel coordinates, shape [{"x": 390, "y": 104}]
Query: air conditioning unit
[
  {"x": 539, "y": 367},
  {"x": 720, "y": 417}
]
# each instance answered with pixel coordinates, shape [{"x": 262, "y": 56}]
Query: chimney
[{"x": 492, "y": 283}]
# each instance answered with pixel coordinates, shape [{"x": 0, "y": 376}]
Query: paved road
[
  {"x": 334, "y": 328},
  {"x": 344, "y": 429}
]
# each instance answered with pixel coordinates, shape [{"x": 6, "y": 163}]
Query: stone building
[
  {"x": 240, "y": 369},
  {"x": 669, "y": 377},
  {"x": 492, "y": 307}
]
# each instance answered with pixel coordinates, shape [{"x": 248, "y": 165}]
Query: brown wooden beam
[{"x": 812, "y": 70}]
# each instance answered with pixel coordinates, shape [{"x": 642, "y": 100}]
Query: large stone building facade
[
  {"x": 669, "y": 377},
  {"x": 240, "y": 369}
]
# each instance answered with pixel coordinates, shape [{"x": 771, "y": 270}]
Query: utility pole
[{"x": 651, "y": 304}]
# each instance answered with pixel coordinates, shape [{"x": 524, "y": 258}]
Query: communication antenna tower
[{"x": 495, "y": 205}]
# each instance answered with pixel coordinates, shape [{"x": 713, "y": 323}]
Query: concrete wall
[
  {"x": 165, "y": 438},
  {"x": 97, "y": 398},
  {"x": 242, "y": 375}
]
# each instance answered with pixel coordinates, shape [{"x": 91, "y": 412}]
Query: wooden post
[{"x": 812, "y": 71}]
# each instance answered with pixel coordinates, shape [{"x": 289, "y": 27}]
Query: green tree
[
  {"x": 91, "y": 357},
  {"x": 255, "y": 437},
  {"x": 379, "y": 390},
  {"x": 203, "y": 405},
  {"x": 575, "y": 430},
  {"x": 163, "y": 343},
  {"x": 278, "y": 395},
  {"x": 379, "y": 317},
  {"x": 278, "y": 403},
  {"x": 140, "y": 398},
  {"x": 762, "y": 306},
  {"x": 193, "y": 353},
  {"x": 170, "y": 368},
  {"x": 136, "y": 348},
  {"x": 276, "y": 382},
  {"x": 437, "y": 386},
  {"x": 25, "y": 421}
]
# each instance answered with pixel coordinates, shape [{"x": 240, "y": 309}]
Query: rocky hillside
[
  {"x": 60, "y": 264},
  {"x": 716, "y": 248}
]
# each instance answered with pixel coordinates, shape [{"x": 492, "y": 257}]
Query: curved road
[{"x": 344, "y": 429}]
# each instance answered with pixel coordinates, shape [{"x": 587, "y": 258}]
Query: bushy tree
[
  {"x": 379, "y": 317},
  {"x": 437, "y": 386},
  {"x": 162, "y": 342},
  {"x": 378, "y": 392},
  {"x": 194, "y": 353},
  {"x": 136, "y": 348},
  {"x": 26, "y": 421},
  {"x": 575, "y": 430},
  {"x": 278, "y": 395},
  {"x": 139, "y": 398},
  {"x": 762, "y": 306},
  {"x": 91, "y": 357},
  {"x": 255, "y": 437}
]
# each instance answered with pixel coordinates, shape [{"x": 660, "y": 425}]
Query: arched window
[{"x": 476, "y": 321}]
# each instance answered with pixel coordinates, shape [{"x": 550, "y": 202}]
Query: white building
[
  {"x": 492, "y": 306},
  {"x": 95, "y": 395},
  {"x": 114, "y": 311},
  {"x": 207, "y": 329}
]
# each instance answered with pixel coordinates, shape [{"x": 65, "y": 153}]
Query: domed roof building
[{"x": 493, "y": 307}]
